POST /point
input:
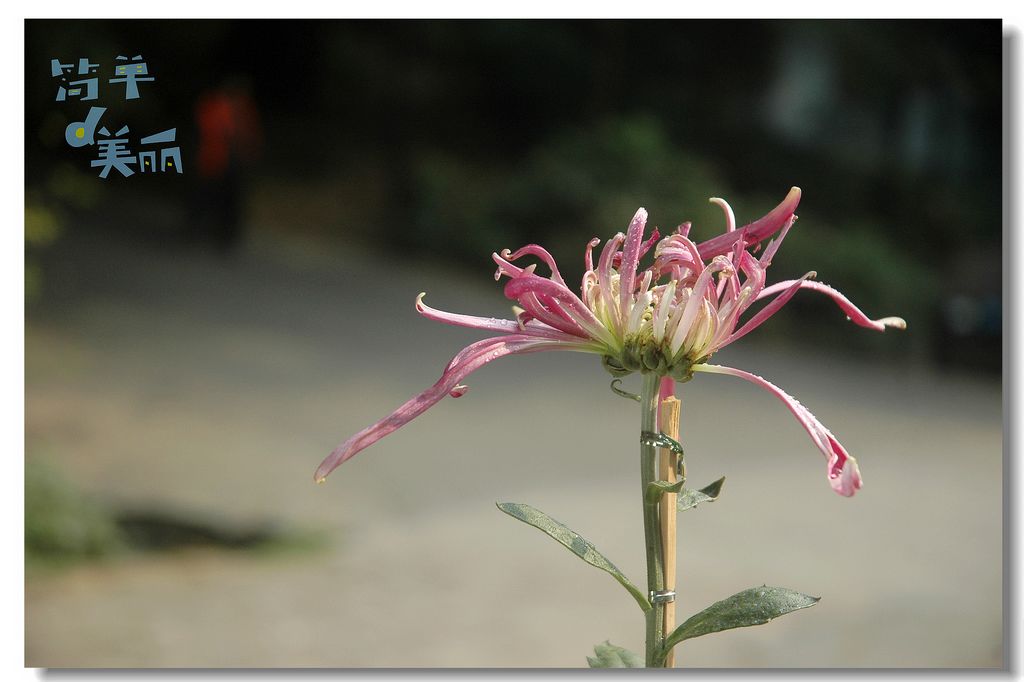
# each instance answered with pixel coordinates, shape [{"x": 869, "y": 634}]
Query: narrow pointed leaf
[
  {"x": 655, "y": 489},
  {"x": 611, "y": 656},
  {"x": 755, "y": 606},
  {"x": 688, "y": 499},
  {"x": 574, "y": 542}
]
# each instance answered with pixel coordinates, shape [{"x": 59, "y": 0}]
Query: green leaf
[
  {"x": 576, "y": 543},
  {"x": 655, "y": 489},
  {"x": 688, "y": 499},
  {"x": 611, "y": 656},
  {"x": 755, "y": 606},
  {"x": 660, "y": 440}
]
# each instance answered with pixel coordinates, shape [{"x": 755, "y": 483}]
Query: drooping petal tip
[
  {"x": 847, "y": 480},
  {"x": 842, "y": 471},
  {"x": 853, "y": 313},
  {"x": 467, "y": 361},
  {"x": 894, "y": 322}
]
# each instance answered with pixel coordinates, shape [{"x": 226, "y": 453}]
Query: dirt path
[{"x": 165, "y": 378}]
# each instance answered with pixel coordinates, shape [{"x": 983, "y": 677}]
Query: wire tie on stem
[{"x": 662, "y": 596}]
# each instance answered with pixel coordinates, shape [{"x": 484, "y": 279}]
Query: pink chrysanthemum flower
[{"x": 668, "y": 318}]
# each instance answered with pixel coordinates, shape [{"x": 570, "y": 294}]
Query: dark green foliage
[
  {"x": 607, "y": 655},
  {"x": 755, "y": 606},
  {"x": 574, "y": 542},
  {"x": 688, "y": 498}
]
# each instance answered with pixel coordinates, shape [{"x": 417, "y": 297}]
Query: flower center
[{"x": 641, "y": 353}]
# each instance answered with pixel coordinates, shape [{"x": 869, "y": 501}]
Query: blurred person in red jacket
[{"x": 230, "y": 139}]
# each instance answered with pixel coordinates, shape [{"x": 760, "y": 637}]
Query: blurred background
[{"x": 197, "y": 342}]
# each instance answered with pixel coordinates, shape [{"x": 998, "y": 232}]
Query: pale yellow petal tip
[
  {"x": 894, "y": 322},
  {"x": 320, "y": 480}
]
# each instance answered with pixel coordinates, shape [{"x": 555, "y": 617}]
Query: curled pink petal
[
  {"x": 539, "y": 252},
  {"x": 775, "y": 219},
  {"x": 852, "y": 312},
  {"x": 842, "y": 472},
  {"x": 677, "y": 251},
  {"x": 483, "y": 353},
  {"x": 773, "y": 245},
  {"x": 504, "y": 267},
  {"x": 520, "y": 325},
  {"x": 547, "y": 312},
  {"x": 728, "y": 314},
  {"x": 733, "y": 283},
  {"x": 630, "y": 260},
  {"x": 764, "y": 313},
  {"x": 604, "y": 277},
  {"x": 570, "y": 303},
  {"x": 730, "y": 217},
  {"x": 651, "y": 241},
  {"x": 754, "y": 232},
  {"x": 755, "y": 274},
  {"x": 694, "y": 303},
  {"x": 588, "y": 254},
  {"x": 562, "y": 340},
  {"x": 472, "y": 321}
]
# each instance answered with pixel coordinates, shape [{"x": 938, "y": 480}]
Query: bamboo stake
[
  {"x": 654, "y": 621},
  {"x": 669, "y": 424}
]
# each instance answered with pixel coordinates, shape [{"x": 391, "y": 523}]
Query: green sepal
[
  {"x": 688, "y": 499},
  {"x": 611, "y": 656},
  {"x": 614, "y": 366},
  {"x": 574, "y": 542},
  {"x": 755, "y": 606},
  {"x": 655, "y": 489},
  {"x": 660, "y": 440}
]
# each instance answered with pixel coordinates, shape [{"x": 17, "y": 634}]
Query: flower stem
[{"x": 652, "y": 527}]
